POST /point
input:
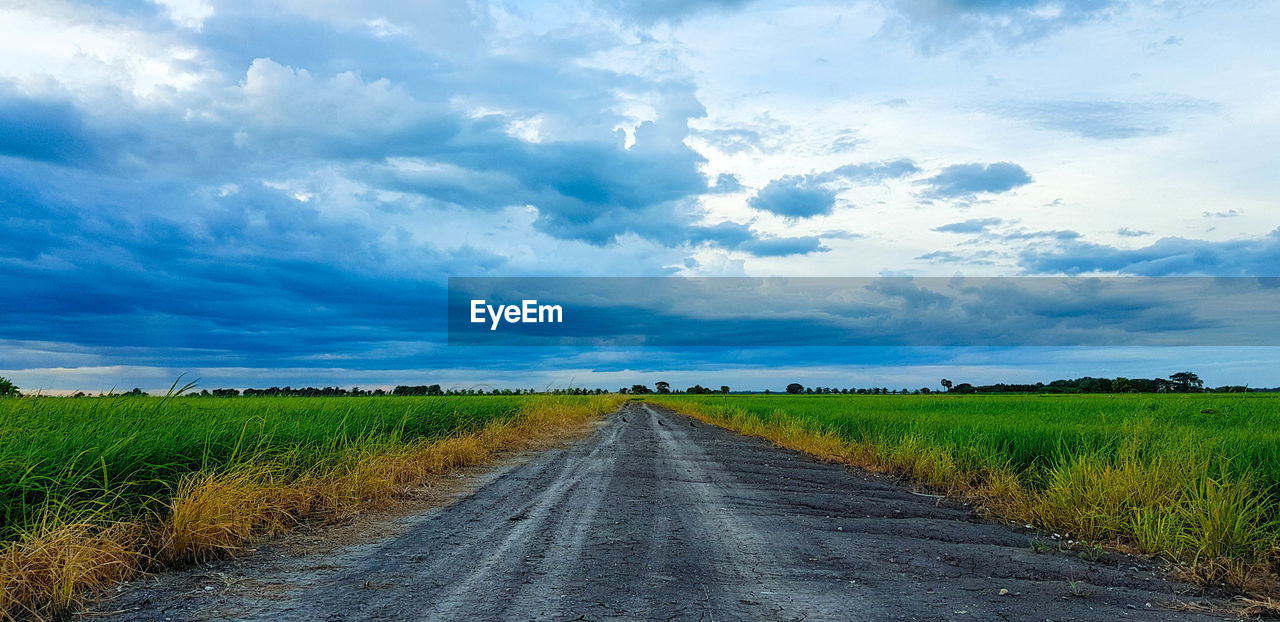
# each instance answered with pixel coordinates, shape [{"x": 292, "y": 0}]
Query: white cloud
[
  {"x": 274, "y": 98},
  {"x": 62, "y": 48},
  {"x": 382, "y": 28},
  {"x": 187, "y": 13}
]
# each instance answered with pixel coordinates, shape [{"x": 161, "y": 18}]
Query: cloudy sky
[{"x": 274, "y": 192}]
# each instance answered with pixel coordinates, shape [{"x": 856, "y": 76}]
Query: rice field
[
  {"x": 1192, "y": 477},
  {"x": 127, "y": 452},
  {"x": 93, "y": 489}
]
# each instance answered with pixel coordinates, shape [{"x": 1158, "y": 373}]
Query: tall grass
[
  {"x": 1195, "y": 478},
  {"x": 95, "y": 489},
  {"x": 127, "y": 453}
]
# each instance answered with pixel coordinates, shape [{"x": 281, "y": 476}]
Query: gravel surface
[{"x": 658, "y": 517}]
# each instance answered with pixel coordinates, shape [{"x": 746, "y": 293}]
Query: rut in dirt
[{"x": 658, "y": 517}]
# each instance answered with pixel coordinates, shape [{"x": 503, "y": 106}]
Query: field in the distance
[
  {"x": 1195, "y": 477},
  {"x": 93, "y": 488}
]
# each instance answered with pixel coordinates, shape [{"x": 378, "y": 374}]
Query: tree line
[
  {"x": 664, "y": 388},
  {"x": 1181, "y": 382},
  {"x": 402, "y": 390}
]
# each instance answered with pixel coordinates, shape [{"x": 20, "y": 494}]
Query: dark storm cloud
[
  {"x": 285, "y": 120},
  {"x": 795, "y": 196},
  {"x": 967, "y": 180},
  {"x": 261, "y": 278},
  {"x": 806, "y": 196},
  {"x": 740, "y": 237},
  {"x": 44, "y": 130},
  {"x": 783, "y": 246},
  {"x": 262, "y": 218},
  {"x": 727, "y": 234}
]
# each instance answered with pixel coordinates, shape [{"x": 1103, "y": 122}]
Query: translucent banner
[{"x": 873, "y": 311}]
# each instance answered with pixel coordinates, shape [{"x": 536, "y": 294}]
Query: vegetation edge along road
[
  {"x": 1143, "y": 491},
  {"x": 87, "y": 534}
]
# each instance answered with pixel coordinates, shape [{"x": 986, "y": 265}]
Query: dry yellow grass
[
  {"x": 53, "y": 568},
  {"x": 1256, "y": 607},
  {"x": 49, "y": 568}
]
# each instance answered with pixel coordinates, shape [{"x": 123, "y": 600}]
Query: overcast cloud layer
[{"x": 278, "y": 190}]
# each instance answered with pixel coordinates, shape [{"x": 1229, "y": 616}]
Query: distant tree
[
  {"x": 640, "y": 389},
  {"x": 1142, "y": 385},
  {"x": 136, "y": 392},
  {"x": 663, "y": 387},
  {"x": 724, "y": 389},
  {"x": 1094, "y": 385},
  {"x": 946, "y": 384},
  {"x": 624, "y": 391},
  {"x": 1186, "y": 382},
  {"x": 795, "y": 388},
  {"x": 767, "y": 392},
  {"x": 925, "y": 390},
  {"x": 8, "y": 389}
]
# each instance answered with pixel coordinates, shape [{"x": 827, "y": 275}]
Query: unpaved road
[{"x": 658, "y": 517}]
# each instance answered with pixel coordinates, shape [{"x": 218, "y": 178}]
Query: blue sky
[{"x": 274, "y": 192}]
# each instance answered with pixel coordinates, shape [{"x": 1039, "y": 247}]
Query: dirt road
[{"x": 658, "y": 517}]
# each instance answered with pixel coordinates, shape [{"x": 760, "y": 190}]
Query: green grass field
[
  {"x": 93, "y": 490},
  {"x": 1192, "y": 476},
  {"x": 125, "y": 455},
  {"x": 1195, "y": 477}
]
